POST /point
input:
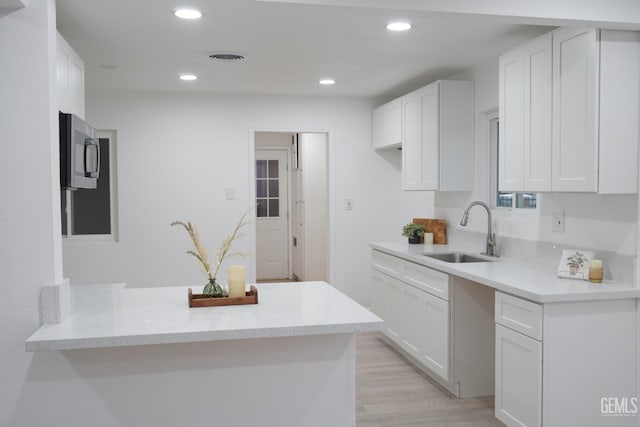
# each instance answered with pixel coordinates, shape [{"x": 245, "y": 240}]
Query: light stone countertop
[
  {"x": 114, "y": 315},
  {"x": 516, "y": 278}
]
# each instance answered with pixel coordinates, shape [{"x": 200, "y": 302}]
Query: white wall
[
  {"x": 178, "y": 152},
  {"x": 313, "y": 228},
  {"x": 30, "y": 251},
  {"x": 606, "y": 223}
]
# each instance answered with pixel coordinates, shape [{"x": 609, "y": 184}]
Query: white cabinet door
[
  {"x": 393, "y": 289},
  {"x": 378, "y": 295},
  {"x": 413, "y": 320},
  {"x": 537, "y": 114},
  {"x": 412, "y": 150},
  {"x": 70, "y": 79},
  {"x": 387, "y": 303},
  {"x": 511, "y": 130},
  {"x": 575, "y": 112},
  {"x": 518, "y": 398},
  {"x": 619, "y": 111},
  {"x": 435, "y": 354},
  {"x": 430, "y": 153},
  {"x": 425, "y": 329},
  {"x": 525, "y": 98},
  {"x": 387, "y": 125},
  {"x": 456, "y": 115}
]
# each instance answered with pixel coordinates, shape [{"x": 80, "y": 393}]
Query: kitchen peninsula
[{"x": 286, "y": 360}]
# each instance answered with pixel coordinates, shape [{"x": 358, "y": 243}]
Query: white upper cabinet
[
  {"x": 437, "y": 137},
  {"x": 569, "y": 107},
  {"x": 387, "y": 125},
  {"x": 537, "y": 114},
  {"x": 511, "y": 130},
  {"x": 575, "y": 110},
  {"x": 619, "y": 111},
  {"x": 525, "y": 117},
  {"x": 70, "y": 79}
]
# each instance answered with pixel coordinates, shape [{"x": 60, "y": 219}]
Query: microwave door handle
[
  {"x": 96, "y": 166},
  {"x": 97, "y": 171}
]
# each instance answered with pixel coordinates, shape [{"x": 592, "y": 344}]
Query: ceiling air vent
[{"x": 226, "y": 57}]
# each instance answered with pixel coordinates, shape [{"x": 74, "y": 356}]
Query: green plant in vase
[
  {"x": 213, "y": 288},
  {"x": 413, "y": 232}
]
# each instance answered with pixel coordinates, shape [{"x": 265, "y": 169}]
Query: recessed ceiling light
[
  {"x": 398, "y": 26},
  {"x": 188, "y": 13},
  {"x": 327, "y": 82},
  {"x": 188, "y": 77}
]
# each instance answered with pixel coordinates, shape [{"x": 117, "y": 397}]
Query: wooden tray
[{"x": 200, "y": 300}]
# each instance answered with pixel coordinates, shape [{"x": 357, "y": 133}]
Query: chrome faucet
[{"x": 491, "y": 237}]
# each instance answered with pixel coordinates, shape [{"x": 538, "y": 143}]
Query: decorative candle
[
  {"x": 236, "y": 280},
  {"x": 428, "y": 238},
  {"x": 595, "y": 271}
]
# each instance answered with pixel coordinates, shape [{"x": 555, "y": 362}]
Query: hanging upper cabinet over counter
[
  {"x": 434, "y": 127},
  {"x": 569, "y": 108},
  {"x": 437, "y": 137},
  {"x": 387, "y": 125}
]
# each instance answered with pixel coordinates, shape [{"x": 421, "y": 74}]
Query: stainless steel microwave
[{"x": 79, "y": 153}]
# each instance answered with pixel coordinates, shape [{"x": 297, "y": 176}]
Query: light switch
[
  {"x": 230, "y": 193},
  {"x": 348, "y": 204}
]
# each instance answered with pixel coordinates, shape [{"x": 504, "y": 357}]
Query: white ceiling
[{"x": 140, "y": 45}]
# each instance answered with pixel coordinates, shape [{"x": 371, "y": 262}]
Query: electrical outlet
[
  {"x": 348, "y": 204},
  {"x": 557, "y": 222}
]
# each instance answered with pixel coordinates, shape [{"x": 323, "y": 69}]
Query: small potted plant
[{"x": 413, "y": 232}]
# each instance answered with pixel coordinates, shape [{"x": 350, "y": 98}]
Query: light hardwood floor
[{"x": 391, "y": 392}]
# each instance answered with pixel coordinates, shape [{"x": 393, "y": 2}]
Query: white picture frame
[{"x": 574, "y": 264}]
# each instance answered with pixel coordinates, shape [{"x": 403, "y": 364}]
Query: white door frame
[
  {"x": 251, "y": 143},
  {"x": 289, "y": 204}
]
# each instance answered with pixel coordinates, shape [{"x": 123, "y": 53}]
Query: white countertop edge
[
  {"x": 623, "y": 292},
  {"x": 33, "y": 344},
  {"x": 114, "y": 315}
]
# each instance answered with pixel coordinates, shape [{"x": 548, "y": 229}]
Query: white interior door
[{"x": 272, "y": 230}]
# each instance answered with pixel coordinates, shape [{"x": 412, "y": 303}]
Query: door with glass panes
[{"x": 272, "y": 232}]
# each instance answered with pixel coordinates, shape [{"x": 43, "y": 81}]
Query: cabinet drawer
[
  {"x": 387, "y": 264},
  {"x": 426, "y": 279},
  {"x": 519, "y": 315}
]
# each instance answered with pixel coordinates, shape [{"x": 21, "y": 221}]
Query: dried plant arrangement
[{"x": 213, "y": 288}]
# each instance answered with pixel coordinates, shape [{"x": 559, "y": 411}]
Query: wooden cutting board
[{"x": 436, "y": 226}]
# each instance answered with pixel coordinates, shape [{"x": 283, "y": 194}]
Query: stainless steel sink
[{"x": 457, "y": 257}]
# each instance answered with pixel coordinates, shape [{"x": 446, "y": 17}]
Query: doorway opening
[{"x": 292, "y": 214}]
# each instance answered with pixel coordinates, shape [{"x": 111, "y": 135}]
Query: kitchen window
[
  {"x": 503, "y": 199},
  {"x": 92, "y": 214}
]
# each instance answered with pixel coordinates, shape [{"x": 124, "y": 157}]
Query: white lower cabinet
[
  {"x": 550, "y": 364},
  {"x": 518, "y": 359},
  {"x": 518, "y": 378},
  {"x": 425, "y": 329},
  {"x": 556, "y": 362},
  {"x": 416, "y": 320}
]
